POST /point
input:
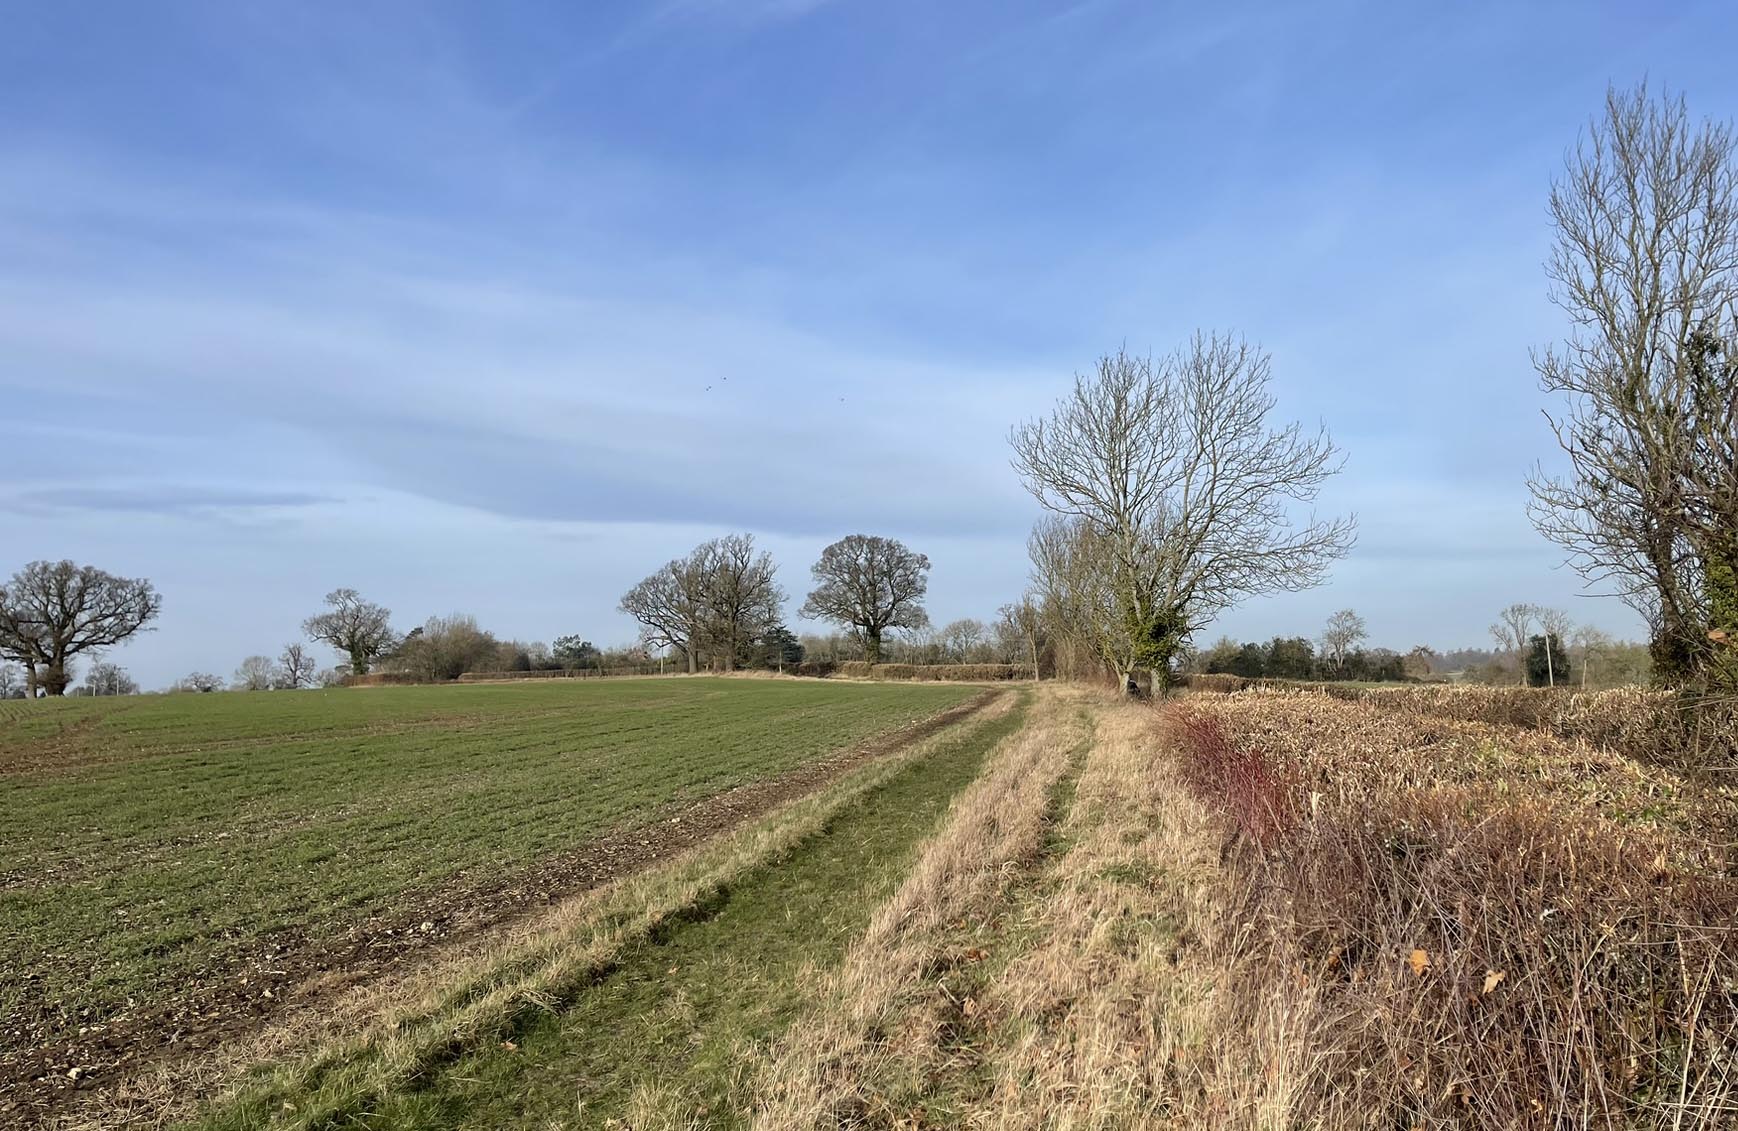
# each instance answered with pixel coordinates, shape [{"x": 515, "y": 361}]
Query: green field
[{"x": 155, "y": 840}]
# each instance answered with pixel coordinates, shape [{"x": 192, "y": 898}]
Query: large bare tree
[
  {"x": 1177, "y": 496},
  {"x": 360, "y": 629},
  {"x": 1645, "y": 264},
  {"x": 869, "y": 584},
  {"x": 742, "y": 595},
  {"x": 52, "y": 612},
  {"x": 717, "y": 600},
  {"x": 671, "y": 608}
]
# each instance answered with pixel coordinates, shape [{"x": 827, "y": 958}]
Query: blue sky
[{"x": 494, "y": 308}]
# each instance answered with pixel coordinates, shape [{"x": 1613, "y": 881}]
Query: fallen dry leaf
[
  {"x": 1419, "y": 961},
  {"x": 1492, "y": 979}
]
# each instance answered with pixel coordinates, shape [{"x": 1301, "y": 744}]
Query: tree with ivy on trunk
[
  {"x": 53, "y": 612},
  {"x": 1645, "y": 264},
  {"x": 360, "y": 629},
  {"x": 1172, "y": 499},
  {"x": 869, "y": 584}
]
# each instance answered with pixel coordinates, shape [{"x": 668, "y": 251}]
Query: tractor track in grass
[{"x": 49, "y": 1066}]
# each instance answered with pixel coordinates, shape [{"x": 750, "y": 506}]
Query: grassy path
[{"x": 682, "y": 1016}]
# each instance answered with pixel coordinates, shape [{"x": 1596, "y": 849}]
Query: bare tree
[
  {"x": 1023, "y": 621},
  {"x": 716, "y": 599},
  {"x": 870, "y": 584},
  {"x": 741, "y": 594},
  {"x": 444, "y": 648},
  {"x": 1344, "y": 632},
  {"x": 963, "y": 637},
  {"x": 1590, "y": 645},
  {"x": 360, "y": 629},
  {"x": 202, "y": 682},
  {"x": 1556, "y": 626},
  {"x": 51, "y": 612},
  {"x": 1514, "y": 625},
  {"x": 296, "y": 667},
  {"x": 256, "y": 673},
  {"x": 11, "y": 681},
  {"x": 1645, "y": 263},
  {"x": 105, "y": 678},
  {"x": 671, "y": 610},
  {"x": 1184, "y": 490}
]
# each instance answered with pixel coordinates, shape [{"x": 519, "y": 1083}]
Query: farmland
[
  {"x": 173, "y": 858},
  {"x": 1043, "y": 907}
]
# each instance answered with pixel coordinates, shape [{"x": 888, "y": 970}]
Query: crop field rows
[{"x": 175, "y": 843}]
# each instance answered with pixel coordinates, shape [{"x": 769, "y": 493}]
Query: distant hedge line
[{"x": 969, "y": 673}]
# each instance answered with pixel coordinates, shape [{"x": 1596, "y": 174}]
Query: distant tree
[
  {"x": 1421, "y": 661},
  {"x": 870, "y": 584},
  {"x": 963, "y": 637},
  {"x": 1291, "y": 658},
  {"x": 295, "y": 667},
  {"x": 109, "y": 679},
  {"x": 360, "y": 629},
  {"x": 1344, "y": 632},
  {"x": 329, "y": 677},
  {"x": 1250, "y": 661},
  {"x": 1218, "y": 656},
  {"x": 1557, "y": 626},
  {"x": 779, "y": 648},
  {"x": 201, "y": 682},
  {"x": 1172, "y": 498},
  {"x": 444, "y": 648},
  {"x": 11, "y": 681},
  {"x": 1513, "y": 629},
  {"x": 1546, "y": 660},
  {"x": 1023, "y": 622},
  {"x": 51, "y": 612},
  {"x": 574, "y": 652},
  {"x": 256, "y": 673}
]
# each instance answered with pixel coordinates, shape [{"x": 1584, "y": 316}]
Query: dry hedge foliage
[
  {"x": 1661, "y": 726},
  {"x": 1434, "y": 921}
]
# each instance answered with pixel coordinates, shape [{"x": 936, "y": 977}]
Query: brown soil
[{"x": 50, "y": 1071}]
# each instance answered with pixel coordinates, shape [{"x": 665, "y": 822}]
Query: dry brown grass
[{"x": 893, "y": 1033}]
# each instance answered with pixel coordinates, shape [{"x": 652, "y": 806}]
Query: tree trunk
[
  {"x": 1131, "y": 687},
  {"x": 358, "y": 662},
  {"x": 1036, "y": 678},
  {"x": 872, "y": 645},
  {"x": 54, "y": 678},
  {"x": 1550, "y": 668},
  {"x": 693, "y": 660},
  {"x": 1721, "y": 564},
  {"x": 30, "y": 680}
]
